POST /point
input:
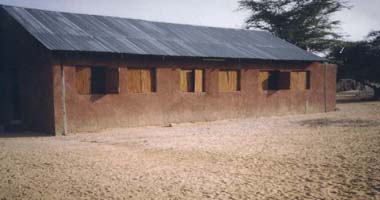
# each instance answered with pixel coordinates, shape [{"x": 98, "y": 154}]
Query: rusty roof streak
[{"x": 60, "y": 31}]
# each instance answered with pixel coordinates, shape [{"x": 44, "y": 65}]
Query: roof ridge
[
  {"x": 65, "y": 31},
  {"x": 144, "y": 20}
]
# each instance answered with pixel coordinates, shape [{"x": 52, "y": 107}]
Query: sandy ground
[{"x": 320, "y": 156}]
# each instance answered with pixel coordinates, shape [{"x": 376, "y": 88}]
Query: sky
[{"x": 363, "y": 17}]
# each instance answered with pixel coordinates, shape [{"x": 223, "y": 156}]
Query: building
[{"x": 63, "y": 73}]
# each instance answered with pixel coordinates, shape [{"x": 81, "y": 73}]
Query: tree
[
  {"x": 360, "y": 61},
  {"x": 305, "y": 23}
]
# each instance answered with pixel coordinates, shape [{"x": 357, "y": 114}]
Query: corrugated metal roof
[{"x": 91, "y": 33}]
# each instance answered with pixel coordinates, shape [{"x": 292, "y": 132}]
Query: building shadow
[
  {"x": 95, "y": 98},
  {"x": 21, "y": 134},
  {"x": 355, "y": 100},
  {"x": 326, "y": 122},
  {"x": 354, "y": 96}
]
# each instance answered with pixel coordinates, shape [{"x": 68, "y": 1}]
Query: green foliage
[
  {"x": 360, "y": 60},
  {"x": 305, "y": 23}
]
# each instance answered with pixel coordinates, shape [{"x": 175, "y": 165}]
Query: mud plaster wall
[
  {"x": 331, "y": 74},
  {"x": 19, "y": 50},
  {"x": 170, "y": 105}
]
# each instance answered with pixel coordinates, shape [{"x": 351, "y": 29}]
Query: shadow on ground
[
  {"x": 22, "y": 134},
  {"x": 324, "y": 122},
  {"x": 354, "y": 96},
  {"x": 357, "y": 100}
]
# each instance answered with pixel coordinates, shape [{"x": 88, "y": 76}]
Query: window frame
[
  {"x": 238, "y": 79},
  {"x": 153, "y": 80},
  {"x": 279, "y": 81},
  {"x": 90, "y": 91},
  {"x": 101, "y": 88},
  {"x": 194, "y": 77},
  {"x": 277, "y": 75},
  {"x": 307, "y": 80}
]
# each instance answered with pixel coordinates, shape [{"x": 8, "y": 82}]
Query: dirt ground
[{"x": 320, "y": 156}]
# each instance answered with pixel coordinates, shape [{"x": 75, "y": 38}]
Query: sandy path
[{"x": 320, "y": 156}]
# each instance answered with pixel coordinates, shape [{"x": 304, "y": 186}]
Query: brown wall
[
  {"x": 20, "y": 51},
  {"x": 170, "y": 105},
  {"x": 331, "y": 74},
  {"x": 43, "y": 99}
]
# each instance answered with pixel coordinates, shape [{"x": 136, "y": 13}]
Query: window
[
  {"x": 283, "y": 82},
  {"x": 229, "y": 80},
  {"x": 141, "y": 80},
  {"x": 274, "y": 80},
  {"x": 97, "y": 80},
  {"x": 263, "y": 80},
  {"x": 300, "y": 80},
  {"x": 83, "y": 80},
  {"x": 192, "y": 80}
]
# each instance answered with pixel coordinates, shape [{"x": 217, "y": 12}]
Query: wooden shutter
[
  {"x": 301, "y": 80},
  {"x": 298, "y": 80},
  {"x": 233, "y": 80},
  {"x": 263, "y": 80},
  {"x": 229, "y": 80},
  {"x": 183, "y": 81},
  {"x": 112, "y": 80},
  {"x": 294, "y": 81},
  {"x": 198, "y": 80},
  {"x": 133, "y": 81},
  {"x": 223, "y": 81},
  {"x": 187, "y": 80},
  {"x": 140, "y": 80},
  {"x": 83, "y": 80},
  {"x": 191, "y": 80},
  {"x": 146, "y": 80}
]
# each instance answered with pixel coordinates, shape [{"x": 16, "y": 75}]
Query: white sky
[{"x": 356, "y": 23}]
